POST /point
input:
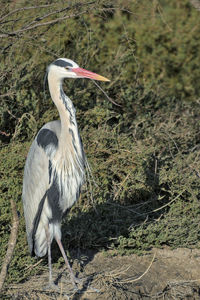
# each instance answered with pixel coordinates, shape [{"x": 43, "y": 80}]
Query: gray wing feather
[{"x": 36, "y": 178}]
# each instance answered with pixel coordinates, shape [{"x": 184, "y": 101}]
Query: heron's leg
[
  {"x": 49, "y": 255},
  {"x": 73, "y": 278}
]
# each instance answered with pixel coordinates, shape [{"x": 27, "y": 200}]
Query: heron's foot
[
  {"x": 93, "y": 290},
  {"x": 75, "y": 281},
  {"x": 51, "y": 286}
]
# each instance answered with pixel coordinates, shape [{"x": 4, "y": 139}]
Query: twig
[
  {"x": 31, "y": 267},
  {"x": 32, "y": 24},
  {"x": 42, "y": 24},
  {"x": 121, "y": 185},
  {"x": 167, "y": 204},
  {"x": 89, "y": 176},
  {"x": 58, "y": 11},
  {"x": 111, "y": 100},
  {"x": 117, "y": 272},
  {"x": 23, "y": 9},
  {"x": 114, "y": 275},
  {"x": 7, "y": 94},
  {"x": 162, "y": 17},
  {"x": 129, "y": 280},
  {"x": 11, "y": 244}
]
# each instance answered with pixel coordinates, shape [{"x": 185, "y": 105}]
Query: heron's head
[{"x": 66, "y": 68}]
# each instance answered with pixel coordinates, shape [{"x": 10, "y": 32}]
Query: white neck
[{"x": 69, "y": 130}]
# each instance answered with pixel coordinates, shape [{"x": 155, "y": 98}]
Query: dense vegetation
[{"x": 144, "y": 154}]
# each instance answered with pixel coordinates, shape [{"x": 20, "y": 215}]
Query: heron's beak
[{"x": 87, "y": 74}]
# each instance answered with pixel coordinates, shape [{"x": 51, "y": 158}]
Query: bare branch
[
  {"x": 11, "y": 244},
  {"x": 22, "y": 9},
  {"x": 30, "y": 26},
  {"x": 40, "y": 24}
]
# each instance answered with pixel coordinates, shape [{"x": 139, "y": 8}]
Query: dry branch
[
  {"x": 11, "y": 244},
  {"x": 130, "y": 280},
  {"x": 41, "y": 24},
  {"x": 37, "y": 21},
  {"x": 22, "y": 9}
]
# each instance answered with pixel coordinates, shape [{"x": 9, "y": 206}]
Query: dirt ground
[{"x": 160, "y": 274}]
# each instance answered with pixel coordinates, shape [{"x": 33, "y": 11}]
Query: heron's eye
[{"x": 67, "y": 68}]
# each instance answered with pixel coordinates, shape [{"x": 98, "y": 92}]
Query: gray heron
[{"x": 55, "y": 167}]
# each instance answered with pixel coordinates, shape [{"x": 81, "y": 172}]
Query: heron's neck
[
  {"x": 69, "y": 129},
  {"x": 63, "y": 103}
]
